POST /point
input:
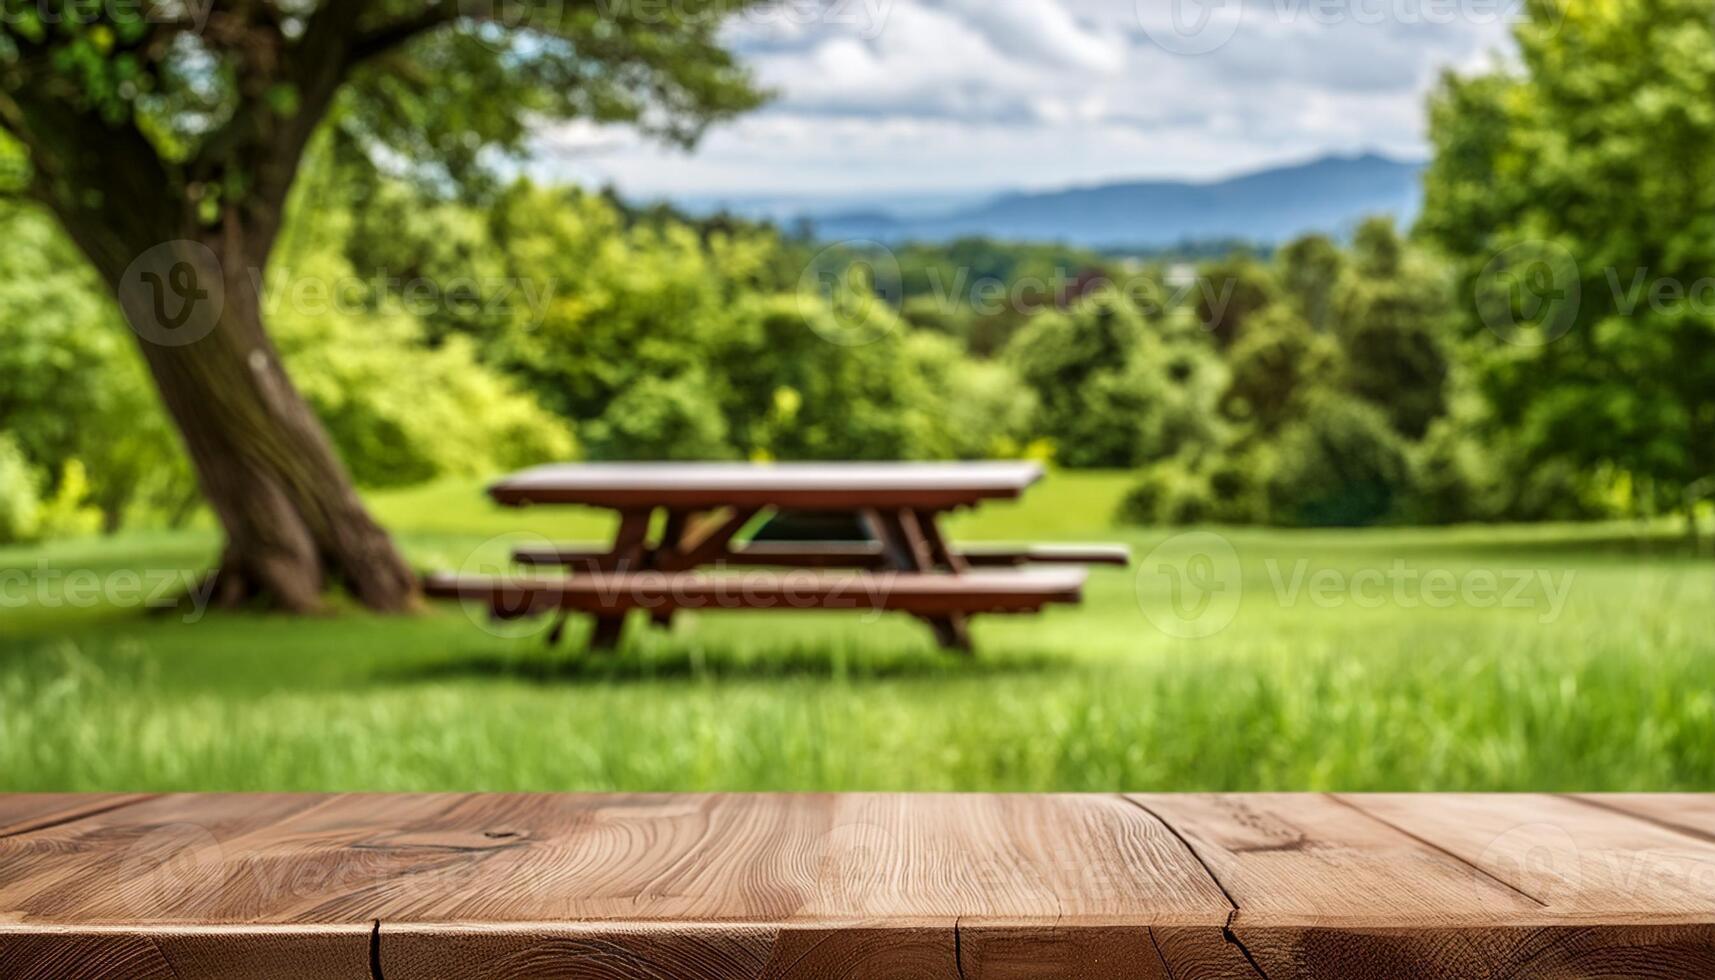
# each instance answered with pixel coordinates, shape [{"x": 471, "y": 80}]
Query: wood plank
[
  {"x": 614, "y": 593},
  {"x": 24, "y": 812},
  {"x": 844, "y": 554},
  {"x": 1330, "y": 887},
  {"x": 861, "y": 885},
  {"x": 1576, "y": 859},
  {"x": 1688, "y": 813},
  {"x": 802, "y": 486}
]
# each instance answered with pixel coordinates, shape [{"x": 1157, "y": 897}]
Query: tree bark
[
  {"x": 191, "y": 292},
  {"x": 294, "y": 524}
]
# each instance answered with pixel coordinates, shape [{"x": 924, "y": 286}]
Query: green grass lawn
[{"x": 1596, "y": 672}]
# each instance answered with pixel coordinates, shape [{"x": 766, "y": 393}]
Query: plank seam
[
  {"x": 1668, "y": 825},
  {"x": 375, "y": 952},
  {"x": 72, "y": 816},
  {"x": 1227, "y": 932},
  {"x": 1426, "y": 842},
  {"x": 1166, "y": 967},
  {"x": 167, "y": 961},
  {"x": 958, "y": 948}
]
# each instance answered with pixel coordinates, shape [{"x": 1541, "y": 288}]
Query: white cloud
[{"x": 985, "y": 94}]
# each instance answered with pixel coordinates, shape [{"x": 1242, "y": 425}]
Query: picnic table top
[
  {"x": 835, "y": 486},
  {"x": 959, "y": 886}
]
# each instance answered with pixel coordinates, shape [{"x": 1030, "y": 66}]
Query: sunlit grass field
[{"x": 1358, "y": 660}]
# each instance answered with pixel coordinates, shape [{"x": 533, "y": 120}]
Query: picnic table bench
[
  {"x": 860, "y": 886},
  {"x": 676, "y": 519}
]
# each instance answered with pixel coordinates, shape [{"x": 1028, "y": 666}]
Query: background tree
[
  {"x": 166, "y": 137},
  {"x": 1579, "y": 195}
]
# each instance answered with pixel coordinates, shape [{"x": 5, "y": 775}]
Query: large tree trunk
[
  {"x": 190, "y": 290},
  {"x": 294, "y": 524}
]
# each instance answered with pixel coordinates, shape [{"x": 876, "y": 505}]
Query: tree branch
[{"x": 381, "y": 40}]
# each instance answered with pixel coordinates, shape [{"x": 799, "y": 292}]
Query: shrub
[
  {"x": 1453, "y": 479},
  {"x": 1275, "y": 366},
  {"x": 1112, "y": 390},
  {"x": 402, "y": 412},
  {"x": 1167, "y": 494},
  {"x": 661, "y": 418},
  {"x": 20, "y": 494},
  {"x": 1342, "y": 465}
]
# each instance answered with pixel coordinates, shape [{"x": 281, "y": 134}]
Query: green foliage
[
  {"x": 1231, "y": 291},
  {"x": 1309, "y": 270},
  {"x": 1392, "y": 317},
  {"x": 1342, "y": 465},
  {"x": 20, "y": 494},
  {"x": 1113, "y": 389},
  {"x": 1578, "y": 197},
  {"x": 661, "y": 418},
  {"x": 1276, "y": 366},
  {"x": 72, "y": 390},
  {"x": 1169, "y": 495},
  {"x": 399, "y": 410},
  {"x": 790, "y": 393}
]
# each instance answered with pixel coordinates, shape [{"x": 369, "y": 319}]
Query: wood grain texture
[
  {"x": 614, "y": 593},
  {"x": 1414, "y": 885},
  {"x": 288, "y": 887},
  {"x": 1575, "y": 859},
  {"x": 23, "y": 812}
]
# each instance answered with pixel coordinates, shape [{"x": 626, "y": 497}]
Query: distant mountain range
[{"x": 1330, "y": 194}]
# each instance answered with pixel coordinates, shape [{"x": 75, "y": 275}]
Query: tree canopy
[{"x": 1577, "y": 195}]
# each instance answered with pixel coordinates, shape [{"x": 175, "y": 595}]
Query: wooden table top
[
  {"x": 835, "y": 486},
  {"x": 858, "y": 886}
]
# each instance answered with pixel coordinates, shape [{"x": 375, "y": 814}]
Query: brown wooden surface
[
  {"x": 859, "y": 886},
  {"x": 610, "y": 595},
  {"x": 836, "y": 486},
  {"x": 843, "y": 554}
]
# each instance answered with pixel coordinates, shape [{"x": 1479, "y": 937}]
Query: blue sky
[{"x": 975, "y": 95}]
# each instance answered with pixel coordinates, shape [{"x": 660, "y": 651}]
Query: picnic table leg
[
  {"x": 913, "y": 543},
  {"x": 672, "y": 538},
  {"x": 627, "y": 552}
]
